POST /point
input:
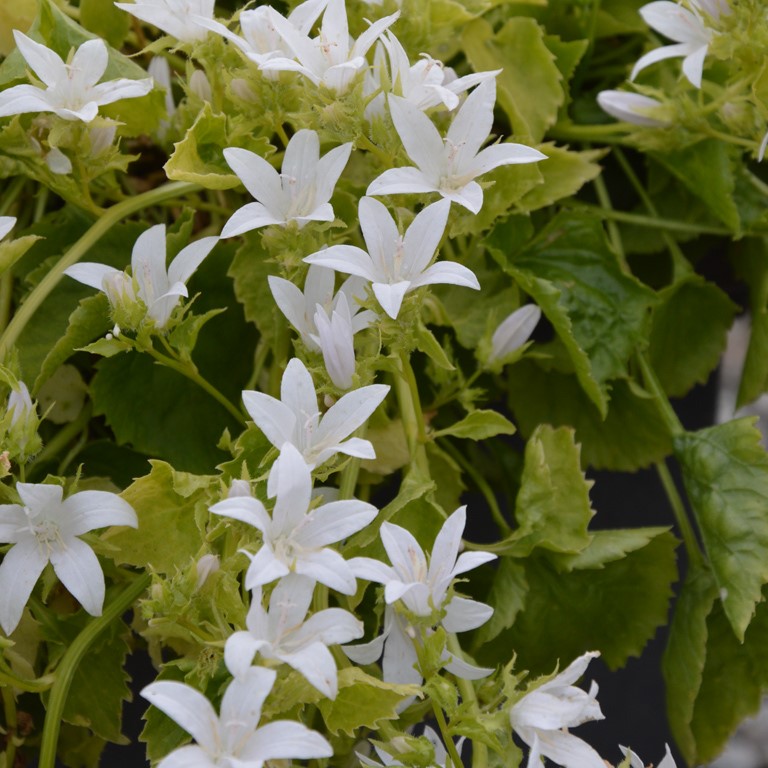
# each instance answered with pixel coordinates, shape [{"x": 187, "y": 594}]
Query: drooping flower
[
  {"x": 301, "y": 193},
  {"x": 632, "y": 107},
  {"x": 328, "y": 59},
  {"x": 422, "y": 586},
  {"x": 300, "y": 307},
  {"x": 692, "y": 38},
  {"x": 297, "y": 535},
  {"x": 335, "y": 337},
  {"x": 513, "y": 332},
  {"x": 282, "y": 633},
  {"x": 295, "y": 419},
  {"x": 72, "y": 90},
  {"x": 176, "y": 17},
  {"x": 232, "y": 738},
  {"x": 396, "y": 264},
  {"x": 450, "y": 165},
  {"x": 635, "y": 762},
  {"x": 542, "y": 718},
  {"x": 158, "y": 287},
  {"x": 44, "y": 528}
]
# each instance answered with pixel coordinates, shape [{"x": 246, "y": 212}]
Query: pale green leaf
[
  {"x": 725, "y": 471},
  {"x": 12, "y": 250},
  {"x": 607, "y": 547},
  {"x": 479, "y": 425}
]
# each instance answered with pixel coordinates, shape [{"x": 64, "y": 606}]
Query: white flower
[
  {"x": 541, "y": 719},
  {"x": 514, "y": 331},
  {"x": 451, "y": 165},
  {"x": 428, "y": 82},
  {"x": 20, "y": 404},
  {"x": 423, "y": 589},
  {"x": 295, "y": 538},
  {"x": 176, "y": 17},
  {"x": 295, "y": 419},
  {"x": 686, "y": 28},
  {"x": 335, "y": 337},
  {"x": 260, "y": 40},
  {"x": 71, "y": 89},
  {"x": 300, "y": 307},
  {"x": 631, "y": 107},
  {"x": 635, "y": 762},
  {"x": 328, "y": 59},
  {"x": 7, "y": 223},
  {"x": 282, "y": 633},
  {"x": 301, "y": 193},
  {"x": 396, "y": 264},
  {"x": 233, "y": 738},
  {"x": 160, "y": 288},
  {"x": 44, "y": 529}
]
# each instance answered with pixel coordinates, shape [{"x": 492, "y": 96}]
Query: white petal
[
  {"x": 329, "y": 169},
  {"x": 365, "y": 653},
  {"x": 445, "y": 550},
  {"x": 22, "y": 99},
  {"x": 91, "y": 274},
  {"x": 514, "y": 331},
  {"x": 297, "y": 391},
  {"x": 469, "y": 560},
  {"x": 466, "y": 671},
  {"x": 264, "y": 568},
  {"x": 402, "y": 181},
  {"x": 355, "y": 446},
  {"x": 87, "y": 510},
  {"x": 14, "y": 524},
  {"x": 276, "y": 420},
  {"x": 258, "y": 177},
  {"x": 123, "y": 88},
  {"x": 470, "y": 196},
  {"x": 7, "y": 223},
  {"x": 421, "y": 139},
  {"x": 390, "y": 297},
  {"x": 400, "y": 660},
  {"x": 504, "y": 154},
  {"x": 423, "y": 237},
  {"x": 244, "y": 697},
  {"x": 250, "y": 216},
  {"x": 331, "y": 626},
  {"x": 315, "y": 662},
  {"x": 693, "y": 65},
  {"x": 189, "y": 259},
  {"x": 190, "y": 756},
  {"x": 78, "y": 568},
  {"x": 285, "y": 739},
  {"x": 447, "y": 273},
  {"x": 674, "y": 21},
  {"x": 47, "y": 64},
  {"x": 348, "y": 259},
  {"x": 19, "y": 571},
  {"x": 668, "y": 761},
  {"x": 246, "y": 509},
  {"x": 372, "y": 570},
  {"x": 461, "y": 615},
  {"x": 293, "y": 490},
  {"x": 288, "y": 605},
  {"x": 290, "y": 301},
  {"x": 334, "y": 522},
  {"x": 568, "y": 750},
  {"x": 148, "y": 264},
  {"x": 348, "y": 413},
  {"x": 659, "y": 54},
  {"x": 335, "y": 338},
  {"x": 405, "y": 553},
  {"x": 329, "y": 568},
  {"x": 91, "y": 59},
  {"x": 632, "y": 107},
  {"x": 381, "y": 236},
  {"x": 187, "y": 707},
  {"x": 369, "y": 37},
  {"x": 40, "y": 496},
  {"x": 472, "y": 124}
]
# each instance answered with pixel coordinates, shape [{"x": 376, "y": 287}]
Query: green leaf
[
  {"x": 600, "y": 313},
  {"x": 161, "y": 734},
  {"x": 12, "y": 250},
  {"x": 552, "y": 508},
  {"x": 506, "y": 597},
  {"x": 363, "y": 702},
  {"x": 685, "y": 655},
  {"x": 607, "y": 547},
  {"x": 249, "y": 269},
  {"x": 689, "y": 332},
  {"x": 165, "y": 501},
  {"x": 105, "y": 20},
  {"x": 90, "y": 319},
  {"x": 107, "y": 347},
  {"x": 706, "y": 169},
  {"x": 183, "y": 338},
  {"x": 615, "y": 609},
  {"x": 734, "y": 678},
  {"x": 479, "y": 425},
  {"x": 632, "y": 436},
  {"x": 725, "y": 471},
  {"x": 529, "y": 86},
  {"x": 563, "y": 174},
  {"x": 429, "y": 345}
]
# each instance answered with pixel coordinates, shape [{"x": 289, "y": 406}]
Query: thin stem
[
  {"x": 349, "y": 478},
  {"x": 481, "y": 484},
  {"x": 6, "y": 297},
  {"x": 653, "y": 222},
  {"x": 11, "y": 193},
  {"x": 71, "y": 660},
  {"x": 11, "y": 725},
  {"x": 613, "y": 229},
  {"x": 365, "y": 143},
  {"x": 654, "y": 387},
  {"x": 282, "y": 134},
  {"x": 443, "y": 725},
  {"x": 411, "y": 414},
  {"x": 100, "y": 227},
  {"x": 678, "y": 509},
  {"x": 190, "y": 371},
  {"x": 64, "y": 436}
]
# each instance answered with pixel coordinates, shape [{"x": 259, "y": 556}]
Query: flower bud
[
  {"x": 632, "y": 108},
  {"x": 20, "y": 424},
  {"x": 206, "y": 565},
  {"x": 513, "y": 332}
]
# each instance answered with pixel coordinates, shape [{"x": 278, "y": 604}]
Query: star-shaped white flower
[
  {"x": 301, "y": 193},
  {"x": 692, "y": 38},
  {"x": 233, "y": 738},
  {"x": 72, "y": 90},
  {"x": 422, "y": 586},
  {"x": 158, "y": 287},
  {"x": 176, "y": 17},
  {"x": 44, "y": 529},
  {"x": 297, "y": 535},
  {"x": 295, "y": 419},
  {"x": 541, "y": 719},
  {"x": 632, "y": 107},
  {"x": 635, "y": 762},
  {"x": 397, "y": 264},
  {"x": 451, "y": 165},
  {"x": 260, "y": 40},
  {"x": 332, "y": 59},
  {"x": 282, "y": 633},
  {"x": 300, "y": 307}
]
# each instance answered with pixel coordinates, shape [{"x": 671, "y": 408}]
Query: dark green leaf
[{"x": 506, "y": 597}]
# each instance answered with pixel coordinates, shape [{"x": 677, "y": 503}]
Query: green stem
[
  {"x": 678, "y": 509},
  {"x": 11, "y": 193},
  {"x": 349, "y": 478},
  {"x": 71, "y": 660},
  {"x": 652, "y": 221},
  {"x": 479, "y": 750},
  {"x": 6, "y": 297},
  {"x": 190, "y": 371},
  {"x": 481, "y": 484},
  {"x": 99, "y": 228},
  {"x": 411, "y": 414},
  {"x": 613, "y": 229},
  {"x": 443, "y": 725},
  {"x": 662, "y": 402},
  {"x": 9, "y": 680},
  {"x": 364, "y": 142},
  {"x": 11, "y": 725},
  {"x": 64, "y": 436}
]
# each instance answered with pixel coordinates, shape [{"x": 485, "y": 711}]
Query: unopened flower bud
[
  {"x": 632, "y": 108},
  {"x": 200, "y": 86},
  {"x": 513, "y": 332},
  {"x": 239, "y": 488},
  {"x": 206, "y": 565}
]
